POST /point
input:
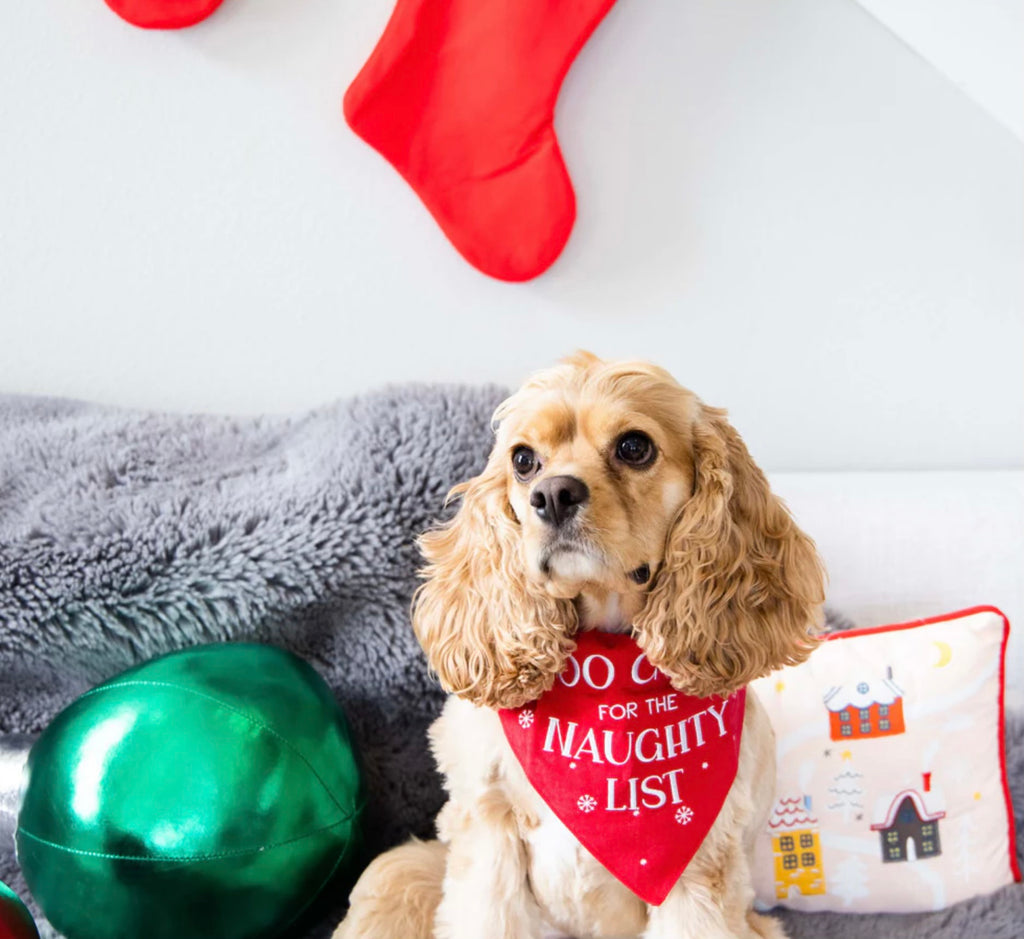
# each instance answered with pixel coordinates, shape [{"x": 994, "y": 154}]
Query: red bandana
[{"x": 636, "y": 770}]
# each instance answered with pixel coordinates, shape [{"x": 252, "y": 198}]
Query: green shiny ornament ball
[
  {"x": 208, "y": 793},
  {"x": 15, "y": 920}
]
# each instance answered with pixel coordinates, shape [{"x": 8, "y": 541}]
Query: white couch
[{"x": 906, "y": 545}]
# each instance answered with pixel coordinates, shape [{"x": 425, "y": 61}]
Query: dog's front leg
[
  {"x": 712, "y": 900},
  {"x": 690, "y": 911},
  {"x": 486, "y": 890}
]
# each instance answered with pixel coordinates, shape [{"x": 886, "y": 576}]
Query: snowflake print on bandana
[
  {"x": 526, "y": 719},
  {"x": 586, "y": 803},
  {"x": 685, "y": 815}
]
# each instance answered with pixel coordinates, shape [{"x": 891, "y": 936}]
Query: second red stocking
[{"x": 163, "y": 14}]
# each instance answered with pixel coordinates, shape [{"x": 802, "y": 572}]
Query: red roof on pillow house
[
  {"x": 791, "y": 814},
  {"x": 919, "y": 804}
]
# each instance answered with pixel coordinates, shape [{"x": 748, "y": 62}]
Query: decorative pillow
[{"x": 891, "y": 789}]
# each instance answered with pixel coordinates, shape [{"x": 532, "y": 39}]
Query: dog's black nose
[{"x": 559, "y": 498}]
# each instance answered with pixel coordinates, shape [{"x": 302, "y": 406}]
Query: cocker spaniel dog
[{"x": 615, "y": 501}]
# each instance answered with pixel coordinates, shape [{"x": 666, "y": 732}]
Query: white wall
[{"x": 778, "y": 200}]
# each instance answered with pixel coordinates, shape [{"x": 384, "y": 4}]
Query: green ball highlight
[{"x": 211, "y": 792}]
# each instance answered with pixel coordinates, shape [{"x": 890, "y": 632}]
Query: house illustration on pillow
[
  {"x": 796, "y": 845},
  {"x": 866, "y": 709},
  {"x": 910, "y": 827}
]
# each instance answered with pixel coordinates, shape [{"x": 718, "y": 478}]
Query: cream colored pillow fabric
[{"x": 891, "y": 793}]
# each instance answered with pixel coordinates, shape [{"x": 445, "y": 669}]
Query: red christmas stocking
[
  {"x": 459, "y": 96},
  {"x": 163, "y": 14}
]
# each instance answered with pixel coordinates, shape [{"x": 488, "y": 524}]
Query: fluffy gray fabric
[{"x": 126, "y": 534}]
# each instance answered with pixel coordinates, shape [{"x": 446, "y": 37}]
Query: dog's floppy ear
[
  {"x": 741, "y": 585},
  {"x": 490, "y": 635}
]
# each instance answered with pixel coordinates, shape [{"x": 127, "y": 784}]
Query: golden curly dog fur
[{"x": 667, "y": 528}]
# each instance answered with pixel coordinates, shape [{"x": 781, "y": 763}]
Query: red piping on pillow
[{"x": 894, "y": 627}]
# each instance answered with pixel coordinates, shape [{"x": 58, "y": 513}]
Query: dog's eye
[
  {"x": 635, "y": 449},
  {"x": 524, "y": 462}
]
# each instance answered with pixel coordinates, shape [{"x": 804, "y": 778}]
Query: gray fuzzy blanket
[{"x": 124, "y": 535}]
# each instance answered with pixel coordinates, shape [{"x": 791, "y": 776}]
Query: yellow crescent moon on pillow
[{"x": 945, "y": 654}]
